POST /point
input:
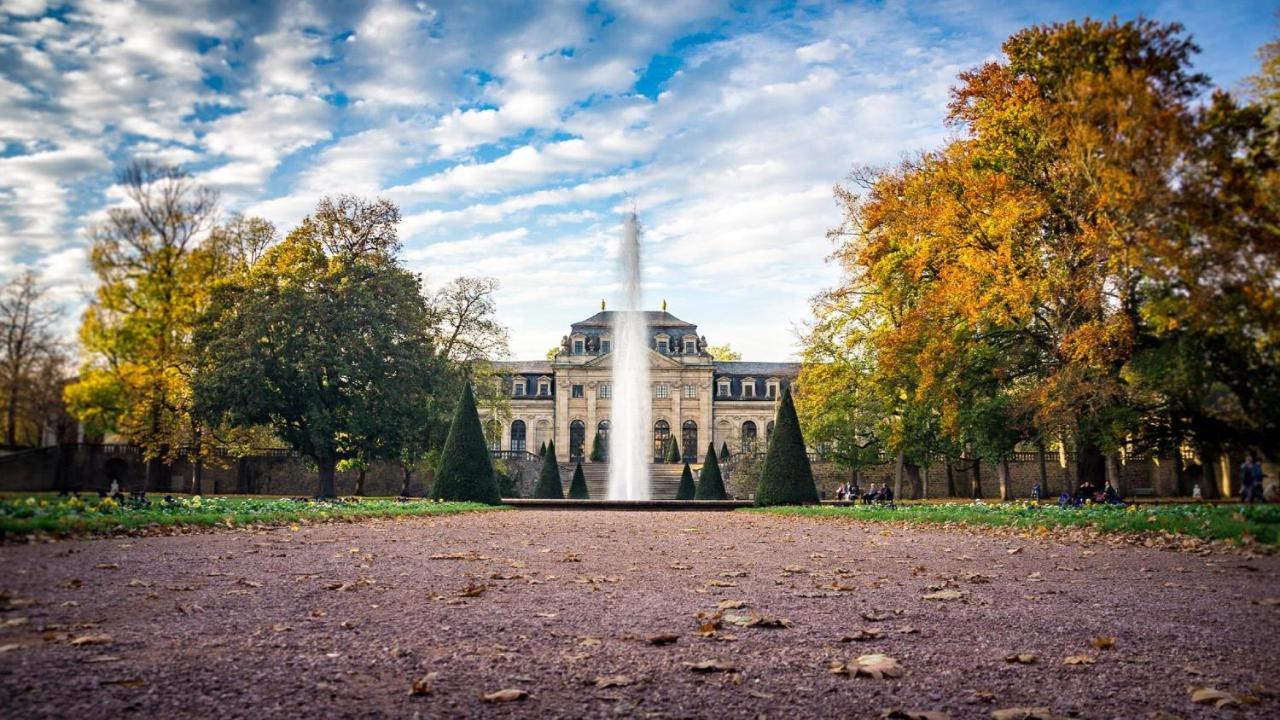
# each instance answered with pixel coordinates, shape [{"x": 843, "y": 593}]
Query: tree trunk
[
  {"x": 1179, "y": 477},
  {"x": 897, "y": 475},
  {"x": 1002, "y": 477},
  {"x": 11, "y": 434},
  {"x": 951, "y": 480},
  {"x": 1090, "y": 463},
  {"x": 156, "y": 470},
  {"x": 1209, "y": 484},
  {"x": 913, "y": 479},
  {"x": 924, "y": 483},
  {"x": 360, "y": 481},
  {"x": 1115, "y": 476},
  {"x": 327, "y": 467},
  {"x": 404, "y": 482},
  {"x": 1044, "y": 473},
  {"x": 197, "y": 476},
  {"x": 977, "y": 480}
]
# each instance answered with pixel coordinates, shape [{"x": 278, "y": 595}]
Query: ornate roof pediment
[{"x": 656, "y": 360}]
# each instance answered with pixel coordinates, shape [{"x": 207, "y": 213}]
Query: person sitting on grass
[{"x": 1110, "y": 496}]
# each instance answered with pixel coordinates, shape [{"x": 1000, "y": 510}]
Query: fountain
[{"x": 629, "y": 449}]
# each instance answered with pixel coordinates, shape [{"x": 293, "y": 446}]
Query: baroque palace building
[{"x": 694, "y": 397}]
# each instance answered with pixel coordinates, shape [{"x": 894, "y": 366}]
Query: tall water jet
[{"x": 629, "y": 450}]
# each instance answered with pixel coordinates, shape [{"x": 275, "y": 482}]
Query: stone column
[
  {"x": 560, "y": 425},
  {"x": 590, "y": 389}
]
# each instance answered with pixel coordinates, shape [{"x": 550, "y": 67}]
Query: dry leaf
[
  {"x": 472, "y": 589},
  {"x": 102, "y": 639},
  {"x": 249, "y": 583},
  {"x": 1080, "y": 660},
  {"x": 280, "y": 627},
  {"x": 9, "y": 647},
  {"x": 731, "y": 604},
  {"x": 904, "y": 714},
  {"x": 712, "y": 665},
  {"x": 424, "y": 685},
  {"x": 662, "y": 639},
  {"x": 945, "y": 595},
  {"x": 608, "y": 681},
  {"x": 1218, "y": 698},
  {"x": 875, "y": 666},
  {"x": 755, "y": 620},
  {"x": 101, "y": 659},
  {"x": 1021, "y": 658},
  {"x": 506, "y": 695},
  {"x": 107, "y": 566},
  {"x": 1022, "y": 713},
  {"x": 863, "y": 634},
  {"x": 1014, "y": 551},
  {"x": 127, "y": 682},
  {"x": 721, "y": 583},
  {"x": 1103, "y": 642}
]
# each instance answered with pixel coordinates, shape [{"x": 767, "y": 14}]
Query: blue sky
[{"x": 513, "y": 135}]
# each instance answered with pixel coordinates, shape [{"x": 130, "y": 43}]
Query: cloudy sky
[{"x": 513, "y": 135}]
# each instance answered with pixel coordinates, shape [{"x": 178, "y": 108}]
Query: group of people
[
  {"x": 1088, "y": 492},
  {"x": 1251, "y": 476},
  {"x": 875, "y": 495}
]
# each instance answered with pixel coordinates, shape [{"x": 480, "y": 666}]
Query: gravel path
[{"x": 340, "y": 621}]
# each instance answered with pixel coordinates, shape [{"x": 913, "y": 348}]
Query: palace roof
[
  {"x": 757, "y": 369},
  {"x": 524, "y": 367},
  {"x": 652, "y": 318}
]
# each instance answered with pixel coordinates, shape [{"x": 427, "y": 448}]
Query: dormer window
[
  {"x": 662, "y": 343},
  {"x": 723, "y": 387},
  {"x": 518, "y": 387},
  {"x": 772, "y": 388},
  {"x": 690, "y": 345},
  {"x": 544, "y": 386},
  {"x": 748, "y": 387},
  {"x": 578, "y": 348},
  {"x": 606, "y": 347}
]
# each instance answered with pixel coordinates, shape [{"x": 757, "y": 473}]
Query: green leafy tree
[
  {"x": 786, "y": 478},
  {"x": 723, "y": 352},
  {"x": 549, "y": 486},
  {"x": 710, "y": 482},
  {"x": 578, "y": 487},
  {"x": 326, "y": 340},
  {"x": 465, "y": 472},
  {"x": 673, "y": 451},
  {"x": 686, "y": 491}
]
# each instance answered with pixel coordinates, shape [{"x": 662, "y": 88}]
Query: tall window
[
  {"x": 517, "y": 388},
  {"x": 603, "y": 428},
  {"x": 748, "y": 388},
  {"x": 604, "y": 391},
  {"x": 578, "y": 391},
  {"x": 690, "y": 346},
  {"x": 577, "y": 439},
  {"x": 660, "y": 390},
  {"x": 606, "y": 347},
  {"x": 661, "y": 436},
  {"x": 724, "y": 388},
  {"x": 748, "y": 436},
  {"x": 517, "y": 436},
  {"x": 771, "y": 390},
  {"x": 662, "y": 346},
  {"x": 689, "y": 440}
]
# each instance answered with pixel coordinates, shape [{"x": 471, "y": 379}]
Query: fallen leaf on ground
[
  {"x": 127, "y": 682},
  {"x": 904, "y": 714},
  {"x": 945, "y": 595},
  {"x": 863, "y": 634},
  {"x": 102, "y": 639},
  {"x": 608, "y": 681},
  {"x": 506, "y": 695},
  {"x": 1218, "y": 698},
  {"x": 731, "y": 604},
  {"x": 424, "y": 685},
  {"x": 9, "y": 647},
  {"x": 755, "y": 620},
  {"x": 1080, "y": 660},
  {"x": 1021, "y": 658},
  {"x": 107, "y": 566},
  {"x": 875, "y": 666},
  {"x": 280, "y": 627},
  {"x": 101, "y": 659},
  {"x": 662, "y": 639},
  {"x": 1022, "y": 713},
  {"x": 1103, "y": 642},
  {"x": 721, "y": 583},
  {"x": 249, "y": 583},
  {"x": 472, "y": 589},
  {"x": 1014, "y": 551},
  {"x": 712, "y": 665}
]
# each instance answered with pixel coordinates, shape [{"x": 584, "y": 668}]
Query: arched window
[
  {"x": 541, "y": 432},
  {"x": 689, "y": 440},
  {"x": 748, "y": 436},
  {"x": 661, "y": 436},
  {"x": 600, "y": 444},
  {"x": 517, "y": 436},
  {"x": 577, "y": 439},
  {"x": 768, "y": 432},
  {"x": 603, "y": 429}
]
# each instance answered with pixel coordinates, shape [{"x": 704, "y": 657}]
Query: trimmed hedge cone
[
  {"x": 786, "y": 478},
  {"x": 578, "y": 488},
  {"x": 673, "y": 451},
  {"x": 686, "y": 491},
  {"x": 549, "y": 486},
  {"x": 465, "y": 472},
  {"x": 710, "y": 483}
]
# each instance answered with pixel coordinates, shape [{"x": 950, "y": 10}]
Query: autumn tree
[
  {"x": 28, "y": 349},
  {"x": 723, "y": 352},
  {"x": 326, "y": 340},
  {"x": 152, "y": 262}
]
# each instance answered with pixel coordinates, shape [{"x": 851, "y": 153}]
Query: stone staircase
[{"x": 665, "y": 479}]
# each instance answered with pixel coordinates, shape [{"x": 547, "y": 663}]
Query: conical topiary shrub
[
  {"x": 465, "y": 472},
  {"x": 542, "y": 451},
  {"x": 710, "y": 484},
  {"x": 724, "y": 452},
  {"x": 549, "y": 486},
  {"x": 787, "y": 478},
  {"x": 578, "y": 488},
  {"x": 597, "y": 448},
  {"x": 673, "y": 451},
  {"x": 686, "y": 491}
]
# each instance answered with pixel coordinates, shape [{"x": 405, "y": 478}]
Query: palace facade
[{"x": 694, "y": 397}]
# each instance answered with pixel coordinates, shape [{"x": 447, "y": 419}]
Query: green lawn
[
  {"x": 30, "y": 514},
  {"x": 1237, "y": 523}
]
